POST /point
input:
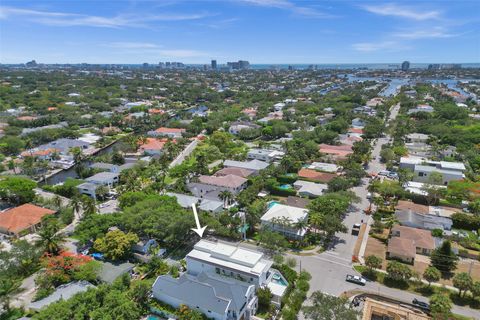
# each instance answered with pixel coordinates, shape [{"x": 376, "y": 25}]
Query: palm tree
[
  {"x": 12, "y": 166},
  {"x": 76, "y": 204},
  {"x": 88, "y": 205},
  {"x": 315, "y": 220},
  {"x": 225, "y": 195},
  {"x": 390, "y": 222},
  {"x": 57, "y": 202},
  {"x": 50, "y": 239}
]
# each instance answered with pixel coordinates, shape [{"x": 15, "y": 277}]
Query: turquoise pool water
[
  {"x": 278, "y": 279},
  {"x": 272, "y": 203},
  {"x": 153, "y": 318},
  {"x": 285, "y": 187}
]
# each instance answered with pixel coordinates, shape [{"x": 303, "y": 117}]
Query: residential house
[
  {"x": 108, "y": 179},
  {"x": 216, "y": 297},
  {"x": 423, "y": 217},
  {"x": 416, "y": 144},
  {"x": 230, "y": 182},
  {"x": 153, "y": 146},
  {"x": 324, "y": 167},
  {"x": 88, "y": 189},
  {"x": 59, "y": 125},
  {"x": 240, "y": 172},
  {"x": 423, "y": 168},
  {"x": 238, "y": 126},
  {"x": 405, "y": 242},
  {"x": 265, "y": 155},
  {"x": 221, "y": 281},
  {"x": 421, "y": 108},
  {"x": 25, "y": 218},
  {"x": 334, "y": 152},
  {"x": 297, "y": 202},
  {"x": 317, "y": 176},
  {"x": 309, "y": 189},
  {"x": 62, "y": 292},
  {"x": 64, "y": 145},
  {"x": 167, "y": 132},
  {"x": 186, "y": 201},
  {"x": 279, "y": 106},
  {"x": 253, "y": 165},
  {"x": 358, "y": 123},
  {"x": 283, "y": 219}
]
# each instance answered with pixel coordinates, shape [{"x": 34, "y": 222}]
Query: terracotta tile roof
[
  {"x": 402, "y": 247},
  {"x": 156, "y": 111},
  {"x": 422, "y": 238},
  {"x": 38, "y": 153},
  {"x": 341, "y": 150},
  {"x": 22, "y": 217},
  {"x": 315, "y": 175},
  {"x": 27, "y": 118},
  {"x": 356, "y": 130},
  {"x": 410, "y": 206},
  {"x": 170, "y": 130},
  {"x": 228, "y": 181},
  {"x": 234, "y": 171},
  {"x": 154, "y": 144}
]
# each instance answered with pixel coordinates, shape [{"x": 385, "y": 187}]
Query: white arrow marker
[{"x": 199, "y": 230}]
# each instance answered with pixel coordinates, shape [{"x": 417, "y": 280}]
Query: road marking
[{"x": 331, "y": 261}]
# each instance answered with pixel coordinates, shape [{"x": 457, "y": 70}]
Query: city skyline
[{"x": 260, "y": 31}]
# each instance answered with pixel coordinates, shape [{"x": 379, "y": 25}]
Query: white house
[
  {"x": 221, "y": 280},
  {"x": 423, "y": 168},
  {"x": 309, "y": 189},
  {"x": 282, "y": 219},
  {"x": 265, "y": 155}
]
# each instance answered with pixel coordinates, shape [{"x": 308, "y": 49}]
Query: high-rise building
[
  {"x": 239, "y": 65},
  {"x": 214, "y": 64},
  {"x": 405, "y": 65}
]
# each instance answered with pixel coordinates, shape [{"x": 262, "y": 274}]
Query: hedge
[
  {"x": 283, "y": 192},
  {"x": 287, "y": 179}
]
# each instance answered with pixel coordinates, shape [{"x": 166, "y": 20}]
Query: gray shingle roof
[{"x": 64, "y": 292}]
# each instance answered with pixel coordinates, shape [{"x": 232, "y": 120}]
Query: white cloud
[
  {"x": 132, "y": 45},
  {"x": 287, "y": 5},
  {"x": 434, "y": 33},
  {"x": 63, "y": 19},
  {"x": 392, "y": 9},
  {"x": 377, "y": 46}
]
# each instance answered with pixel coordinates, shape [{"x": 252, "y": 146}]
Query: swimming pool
[
  {"x": 153, "y": 318},
  {"x": 285, "y": 187},
  {"x": 272, "y": 203},
  {"x": 277, "y": 278}
]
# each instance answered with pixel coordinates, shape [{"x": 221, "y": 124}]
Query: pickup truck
[{"x": 356, "y": 279}]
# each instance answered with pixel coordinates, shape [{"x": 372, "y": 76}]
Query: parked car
[
  {"x": 421, "y": 304},
  {"x": 356, "y": 279},
  {"x": 383, "y": 173},
  {"x": 356, "y": 229}
]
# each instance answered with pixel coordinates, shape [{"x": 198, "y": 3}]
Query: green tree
[
  {"x": 432, "y": 274},
  {"x": 398, "y": 271},
  {"x": 272, "y": 241},
  {"x": 373, "y": 262},
  {"x": 443, "y": 258},
  {"x": 476, "y": 289},
  {"x": 50, "y": 239},
  {"x": 264, "y": 298},
  {"x": 116, "y": 244},
  {"x": 327, "y": 307},
  {"x": 440, "y": 306},
  {"x": 88, "y": 205},
  {"x": 17, "y": 190},
  {"x": 463, "y": 282}
]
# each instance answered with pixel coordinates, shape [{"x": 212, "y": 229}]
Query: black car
[{"x": 421, "y": 304}]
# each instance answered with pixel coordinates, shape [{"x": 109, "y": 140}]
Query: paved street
[
  {"x": 330, "y": 268},
  {"x": 185, "y": 153}
]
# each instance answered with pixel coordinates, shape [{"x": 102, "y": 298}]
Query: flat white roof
[
  {"x": 230, "y": 256},
  {"x": 452, "y": 165}
]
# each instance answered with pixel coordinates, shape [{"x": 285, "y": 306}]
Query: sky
[{"x": 261, "y": 31}]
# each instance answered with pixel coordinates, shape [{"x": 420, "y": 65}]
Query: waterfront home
[{"x": 167, "y": 132}]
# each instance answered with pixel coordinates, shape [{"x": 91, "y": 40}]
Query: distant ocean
[{"x": 371, "y": 66}]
